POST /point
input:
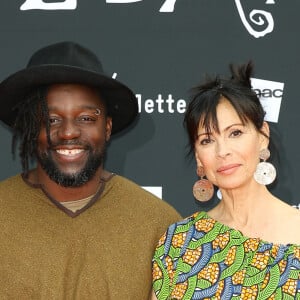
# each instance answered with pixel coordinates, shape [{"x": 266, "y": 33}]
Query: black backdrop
[{"x": 162, "y": 48}]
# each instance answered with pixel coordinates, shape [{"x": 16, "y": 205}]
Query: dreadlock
[{"x": 30, "y": 114}]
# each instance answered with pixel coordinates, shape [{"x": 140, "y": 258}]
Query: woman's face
[{"x": 230, "y": 157}]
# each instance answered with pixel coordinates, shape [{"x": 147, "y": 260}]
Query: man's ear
[{"x": 108, "y": 128}]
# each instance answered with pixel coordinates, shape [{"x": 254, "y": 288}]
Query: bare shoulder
[
  {"x": 289, "y": 219},
  {"x": 289, "y": 211},
  {"x": 295, "y": 217}
]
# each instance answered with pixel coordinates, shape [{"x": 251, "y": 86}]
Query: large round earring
[
  {"x": 265, "y": 172},
  {"x": 203, "y": 189}
]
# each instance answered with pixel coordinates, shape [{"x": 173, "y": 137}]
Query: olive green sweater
[{"x": 103, "y": 253}]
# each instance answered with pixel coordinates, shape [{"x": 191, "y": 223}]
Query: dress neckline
[{"x": 261, "y": 241}]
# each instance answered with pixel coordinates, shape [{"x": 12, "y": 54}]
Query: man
[{"x": 69, "y": 228}]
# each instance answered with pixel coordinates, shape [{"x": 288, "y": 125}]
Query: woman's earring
[
  {"x": 265, "y": 172},
  {"x": 203, "y": 189}
]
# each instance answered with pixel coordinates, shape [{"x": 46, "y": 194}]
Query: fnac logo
[{"x": 270, "y": 95}]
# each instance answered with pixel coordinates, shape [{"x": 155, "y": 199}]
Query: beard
[{"x": 76, "y": 179}]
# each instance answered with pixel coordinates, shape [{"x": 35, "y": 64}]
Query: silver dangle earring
[
  {"x": 265, "y": 172},
  {"x": 203, "y": 189}
]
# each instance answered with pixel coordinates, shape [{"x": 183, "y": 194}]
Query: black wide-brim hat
[{"x": 67, "y": 62}]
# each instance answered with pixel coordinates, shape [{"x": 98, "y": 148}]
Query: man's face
[{"x": 79, "y": 131}]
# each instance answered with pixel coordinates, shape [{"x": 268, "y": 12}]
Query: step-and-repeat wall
[{"x": 162, "y": 48}]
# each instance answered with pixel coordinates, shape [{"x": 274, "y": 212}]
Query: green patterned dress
[{"x": 200, "y": 258}]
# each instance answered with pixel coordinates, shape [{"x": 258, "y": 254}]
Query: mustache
[{"x": 69, "y": 143}]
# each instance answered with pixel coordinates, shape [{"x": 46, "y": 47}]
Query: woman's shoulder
[
  {"x": 190, "y": 221},
  {"x": 287, "y": 224},
  {"x": 189, "y": 228}
]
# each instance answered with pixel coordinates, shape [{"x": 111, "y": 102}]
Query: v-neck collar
[{"x": 69, "y": 212}]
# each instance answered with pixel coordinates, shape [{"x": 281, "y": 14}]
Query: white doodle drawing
[
  {"x": 122, "y": 1},
  {"x": 168, "y": 6},
  {"x": 39, "y": 4},
  {"x": 258, "y": 17},
  {"x": 67, "y": 4}
]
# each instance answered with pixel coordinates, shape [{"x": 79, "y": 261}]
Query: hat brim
[{"x": 122, "y": 103}]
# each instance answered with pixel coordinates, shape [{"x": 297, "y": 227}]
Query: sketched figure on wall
[
  {"x": 40, "y": 4},
  {"x": 263, "y": 18},
  {"x": 168, "y": 5}
]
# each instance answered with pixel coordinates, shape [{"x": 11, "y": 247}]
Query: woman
[{"x": 248, "y": 246}]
